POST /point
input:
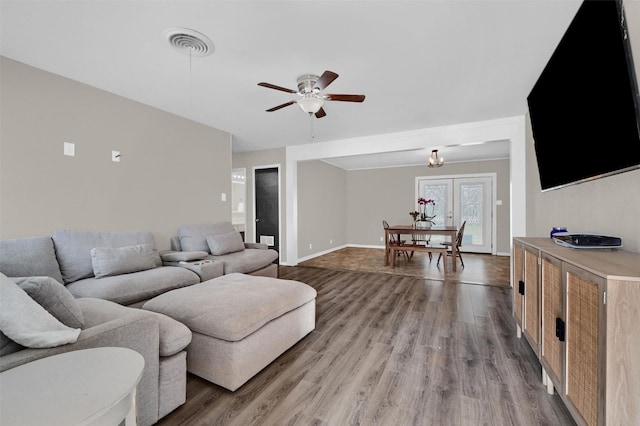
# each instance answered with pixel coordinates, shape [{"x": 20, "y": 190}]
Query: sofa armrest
[
  {"x": 136, "y": 331},
  {"x": 256, "y": 246},
  {"x": 182, "y": 256},
  {"x": 206, "y": 269}
]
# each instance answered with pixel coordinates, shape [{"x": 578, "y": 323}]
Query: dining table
[{"x": 399, "y": 230}]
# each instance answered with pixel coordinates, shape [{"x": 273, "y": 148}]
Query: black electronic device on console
[{"x": 587, "y": 241}]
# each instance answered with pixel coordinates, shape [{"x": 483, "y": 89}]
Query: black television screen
[{"x": 585, "y": 107}]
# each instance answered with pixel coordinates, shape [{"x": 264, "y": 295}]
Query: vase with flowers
[{"x": 423, "y": 218}]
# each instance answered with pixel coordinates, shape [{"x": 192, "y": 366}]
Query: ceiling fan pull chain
[{"x": 312, "y": 136}]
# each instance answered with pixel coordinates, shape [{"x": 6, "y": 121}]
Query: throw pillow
[
  {"x": 108, "y": 261},
  {"x": 183, "y": 256},
  {"x": 225, "y": 243},
  {"x": 194, "y": 237},
  {"x": 24, "y": 321},
  {"x": 55, "y": 298}
]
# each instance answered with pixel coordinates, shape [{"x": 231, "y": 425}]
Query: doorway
[
  {"x": 267, "y": 206},
  {"x": 238, "y": 200},
  {"x": 463, "y": 198}
]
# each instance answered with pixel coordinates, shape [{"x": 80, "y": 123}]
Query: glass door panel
[
  {"x": 458, "y": 200},
  {"x": 473, "y": 196}
]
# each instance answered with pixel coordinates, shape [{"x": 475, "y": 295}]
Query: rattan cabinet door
[
  {"x": 584, "y": 314},
  {"x": 532, "y": 298},
  {"x": 518, "y": 281},
  {"x": 553, "y": 319}
]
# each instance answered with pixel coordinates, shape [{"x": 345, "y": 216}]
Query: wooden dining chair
[
  {"x": 395, "y": 242},
  {"x": 457, "y": 242}
]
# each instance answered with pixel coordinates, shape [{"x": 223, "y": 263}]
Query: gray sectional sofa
[
  {"x": 219, "y": 244},
  {"x": 68, "y": 257},
  {"x": 103, "y": 277}
]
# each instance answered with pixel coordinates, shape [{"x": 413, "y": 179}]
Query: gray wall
[
  {"x": 389, "y": 194},
  {"x": 338, "y": 207},
  {"x": 322, "y": 208},
  {"x": 172, "y": 170}
]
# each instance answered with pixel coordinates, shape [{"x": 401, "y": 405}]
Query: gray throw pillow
[
  {"x": 194, "y": 237},
  {"x": 55, "y": 298},
  {"x": 225, "y": 243},
  {"x": 108, "y": 261},
  {"x": 27, "y": 323}
]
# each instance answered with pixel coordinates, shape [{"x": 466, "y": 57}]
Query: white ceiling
[{"x": 421, "y": 64}]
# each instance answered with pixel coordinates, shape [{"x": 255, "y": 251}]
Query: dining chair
[
  {"x": 457, "y": 242},
  {"x": 394, "y": 241}
]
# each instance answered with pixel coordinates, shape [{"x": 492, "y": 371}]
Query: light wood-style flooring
[{"x": 390, "y": 350}]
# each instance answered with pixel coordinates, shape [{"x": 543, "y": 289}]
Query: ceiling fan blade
[
  {"x": 325, "y": 79},
  {"x": 281, "y": 106},
  {"x": 273, "y": 86},
  {"x": 320, "y": 113},
  {"x": 344, "y": 98}
]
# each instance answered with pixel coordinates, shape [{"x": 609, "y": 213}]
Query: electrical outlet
[
  {"x": 310, "y": 247},
  {"x": 223, "y": 196},
  {"x": 381, "y": 239},
  {"x": 330, "y": 240}
]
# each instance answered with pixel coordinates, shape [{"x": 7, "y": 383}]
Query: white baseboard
[{"x": 314, "y": 255}]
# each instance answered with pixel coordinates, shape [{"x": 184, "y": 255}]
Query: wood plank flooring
[
  {"x": 390, "y": 350},
  {"x": 482, "y": 269}
]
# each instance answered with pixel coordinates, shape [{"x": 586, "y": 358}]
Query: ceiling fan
[{"x": 311, "y": 100}]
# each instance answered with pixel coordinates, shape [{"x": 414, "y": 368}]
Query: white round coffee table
[{"x": 85, "y": 387}]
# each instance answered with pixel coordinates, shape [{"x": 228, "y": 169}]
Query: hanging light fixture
[{"x": 435, "y": 160}]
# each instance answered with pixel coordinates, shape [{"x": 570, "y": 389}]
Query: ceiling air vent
[{"x": 189, "y": 42}]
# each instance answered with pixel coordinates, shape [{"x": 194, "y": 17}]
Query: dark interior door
[{"x": 267, "y": 206}]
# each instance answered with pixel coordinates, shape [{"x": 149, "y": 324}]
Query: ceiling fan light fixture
[{"x": 310, "y": 104}]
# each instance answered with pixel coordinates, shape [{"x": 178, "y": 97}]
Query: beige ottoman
[{"x": 240, "y": 323}]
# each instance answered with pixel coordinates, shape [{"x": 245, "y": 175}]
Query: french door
[{"x": 459, "y": 199}]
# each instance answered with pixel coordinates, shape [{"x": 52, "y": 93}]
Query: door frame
[
  {"x": 253, "y": 202},
  {"x": 493, "y": 200}
]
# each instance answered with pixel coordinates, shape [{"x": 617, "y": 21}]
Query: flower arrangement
[{"x": 422, "y": 205}]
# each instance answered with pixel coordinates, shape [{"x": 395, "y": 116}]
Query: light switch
[
  {"x": 498, "y": 202},
  {"x": 69, "y": 149},
  {"x": 223, "y": 196},
  {"x": 115, "y": 156}
]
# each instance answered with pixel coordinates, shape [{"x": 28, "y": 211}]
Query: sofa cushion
[
  {"x": 248, "y": 260},
  {"x": 73, "y": 249},
  {"x": 128, "y": 289},
  {"x": 225, "y": 243},
  {"x": 54, "y": 297},
  {"x": 194, "y": 237},
  {"x": 24, "y": 321},
  {"x": 232, "y": 306},
  {"x": 27, "y": 257},
  {"x": 108, "y": 261},
  {"x": 8, "y": 346},
  {"x": 174, "y": 336}
]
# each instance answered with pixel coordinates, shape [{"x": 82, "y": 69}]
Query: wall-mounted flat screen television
[{"x": 585, "y": 107}]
